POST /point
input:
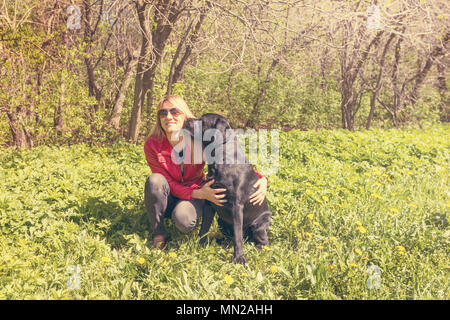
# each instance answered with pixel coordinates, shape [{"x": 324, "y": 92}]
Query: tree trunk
[
  {"x": 166, "y": 14},
  {"x": 177, "y": 70},
  {"x": 444, "y": 105},
  {"x": 139, "y": 90},
  {"x": 58, "y": 121},
  {"x": 130, "y": 70},
  {"x": 262, "y": 90},
  {"x": 351, "y": 64},
  {"x": 94, "y": 91},
  {"x": 21, "y": 137},
  {"x": 377, "y": 88},
  {"x": 422, "y": 73}
]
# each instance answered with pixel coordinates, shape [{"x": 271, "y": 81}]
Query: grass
[{"x": 341, "y": 202}]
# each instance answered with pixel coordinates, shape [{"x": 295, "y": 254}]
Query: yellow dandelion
[
  {"x": 266, "y": 248},
  {"x": 390, "y": 214},
  {"x": 361, "y": 229},
  {"x": 189, "y": 265},
  {"x": 315, "y": 223},
  {"x": 294, "y": 223},
  {"x": 228, "y": 279},
  {"x": 358, "y": 223},
  {"x": 245, "y": 275},
  {"x": 299, "y": 235},
  {"x": 377, "y": 196},
  {"x": 358, "y": 252},
  {"x": 353, "y": 265},
  {"x": 141, "y": 260},
  {"x": 308, "y": 236},
  {"x": 401, "y": 249},
  {"x": 325, "y": 198},
  {"x": 165, "y": 264},
  {"x": 394, "y": 210},
  {"x": 284, "y": 212},
  {"x": 310, "y": 216},
  {"x": 365, "y": 258},
  {"x": 320, "y": 247},
  {"x": 274, "y": 269},
  {"x": 172, "y": 254},
  {"x": 331, "y": 268},
  {"x": 333, "y": 238},
  {"x": 106, "y": 259}
]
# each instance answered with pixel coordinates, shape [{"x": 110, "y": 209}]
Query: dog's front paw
[{"x": 240, "y": 259}]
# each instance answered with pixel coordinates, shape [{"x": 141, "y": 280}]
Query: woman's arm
[
  {"x": 210, "y": 194},
  {"x": 179, "y": 190},
  {"x": 258, "y": 196}
]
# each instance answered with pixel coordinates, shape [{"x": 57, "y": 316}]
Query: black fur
[{"x": 238, "y": 217}]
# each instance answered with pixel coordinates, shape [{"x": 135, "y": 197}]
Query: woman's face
[{"x": 171, "y": 122}]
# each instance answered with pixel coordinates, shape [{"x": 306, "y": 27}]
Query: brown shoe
[{"x": 159, "y": 241}]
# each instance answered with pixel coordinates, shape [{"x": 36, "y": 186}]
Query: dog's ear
[
  {"x": 224, "y": 127},
  {"x": 188, "y": 125}
]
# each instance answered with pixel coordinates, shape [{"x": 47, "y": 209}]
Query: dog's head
[
  {"x": 209, "y": 128},
  {"x": 215, "y": 134}
]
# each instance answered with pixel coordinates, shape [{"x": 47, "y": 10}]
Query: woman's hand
[
  {"x": 210, "y": 194},
  {"x": 258, "y": 196}
]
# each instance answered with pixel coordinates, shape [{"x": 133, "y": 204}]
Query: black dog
[{"x": 238, "y": 217}]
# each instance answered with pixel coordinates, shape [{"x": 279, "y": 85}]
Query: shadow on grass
[{"x": 113, "y": 220}]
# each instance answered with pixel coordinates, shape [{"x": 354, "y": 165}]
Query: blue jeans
[{"x": 160, "y": 204}]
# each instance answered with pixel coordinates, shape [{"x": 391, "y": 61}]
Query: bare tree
[{"x": 165, "y": 14}]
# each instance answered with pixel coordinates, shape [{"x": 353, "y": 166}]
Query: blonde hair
[{"x": 176, "y": 101}]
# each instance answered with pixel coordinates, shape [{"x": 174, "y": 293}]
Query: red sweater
[{"x": 158, "y": 154}]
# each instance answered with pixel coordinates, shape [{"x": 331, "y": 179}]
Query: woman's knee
[
  {"x": 185, "y": 216},
  {"x": 156, "y": 184}
]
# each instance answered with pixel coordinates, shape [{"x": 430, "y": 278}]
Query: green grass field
[{"x": 344, "y": 204}]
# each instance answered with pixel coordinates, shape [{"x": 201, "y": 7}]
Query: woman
[{"x": 178, "y": 190}]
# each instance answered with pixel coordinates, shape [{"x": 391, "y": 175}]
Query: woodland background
[{"x": 93, "y": 71}]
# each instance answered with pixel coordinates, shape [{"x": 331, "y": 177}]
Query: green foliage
[{"x": 341, "y": 202}]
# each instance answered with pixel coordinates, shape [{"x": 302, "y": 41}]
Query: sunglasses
[{"x": 164, "y": 112}]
